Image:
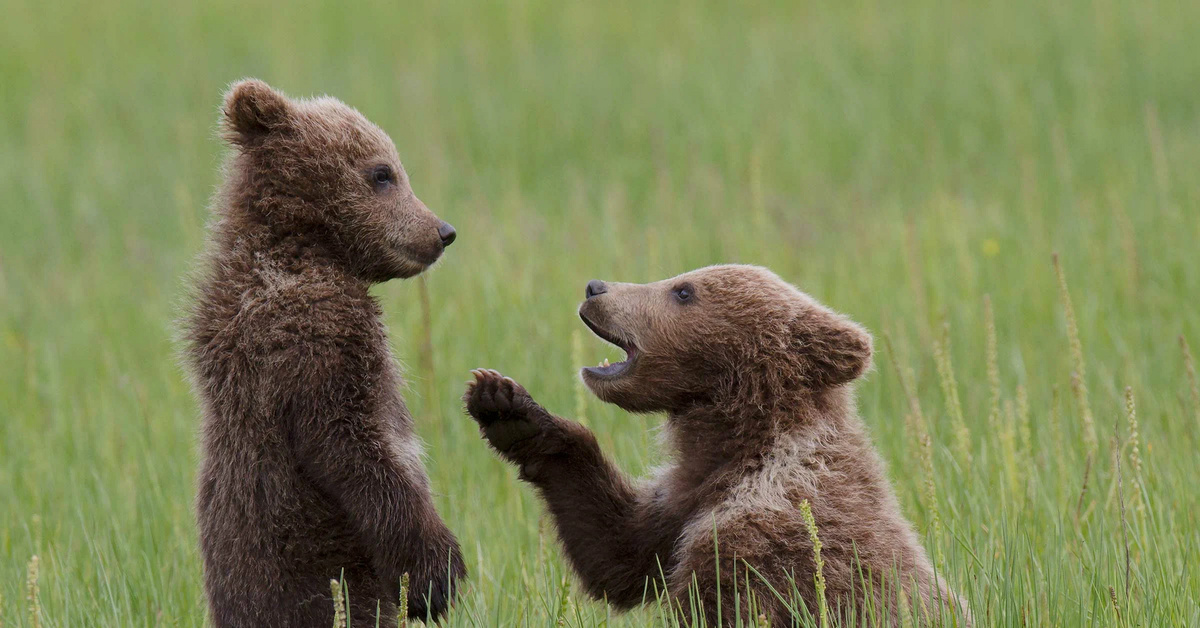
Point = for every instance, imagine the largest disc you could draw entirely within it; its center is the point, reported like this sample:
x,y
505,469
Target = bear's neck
x,y
714,444
244,244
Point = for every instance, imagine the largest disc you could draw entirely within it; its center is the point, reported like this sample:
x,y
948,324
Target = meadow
x,y
917,165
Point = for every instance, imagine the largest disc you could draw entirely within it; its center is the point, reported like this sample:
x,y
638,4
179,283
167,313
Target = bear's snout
x,y
447,233
595,288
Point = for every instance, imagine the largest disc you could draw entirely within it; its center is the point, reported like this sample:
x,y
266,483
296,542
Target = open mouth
x,y
615,369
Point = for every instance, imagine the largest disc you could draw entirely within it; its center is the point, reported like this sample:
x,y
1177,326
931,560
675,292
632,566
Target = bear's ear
x,y
252,110
834,349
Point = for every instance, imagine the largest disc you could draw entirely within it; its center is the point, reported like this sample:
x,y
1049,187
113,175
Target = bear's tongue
x,y
608,369
611,368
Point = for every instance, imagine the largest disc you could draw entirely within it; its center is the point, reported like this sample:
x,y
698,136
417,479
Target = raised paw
x,y
504,410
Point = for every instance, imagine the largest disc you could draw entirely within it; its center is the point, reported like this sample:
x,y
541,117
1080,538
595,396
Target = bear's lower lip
x,y
616,368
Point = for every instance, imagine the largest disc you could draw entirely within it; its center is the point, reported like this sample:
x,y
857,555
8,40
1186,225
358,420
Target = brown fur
x,y
755,377
310,470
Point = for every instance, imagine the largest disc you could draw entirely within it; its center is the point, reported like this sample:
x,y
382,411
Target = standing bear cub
x,y
311,471
754,376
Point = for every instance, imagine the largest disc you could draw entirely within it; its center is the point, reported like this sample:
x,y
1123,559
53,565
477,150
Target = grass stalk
x,y
339,603
935,521
564,601
1135,452
1055,421
33,592
1193,382
425,353
1116,448
402,612
1008,448
945,368
577,360
1079,376
993,366
918,433
914,419
1087,472
1024,424
819,579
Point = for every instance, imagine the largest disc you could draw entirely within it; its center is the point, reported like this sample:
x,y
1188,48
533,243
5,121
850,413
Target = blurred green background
x,y
899,161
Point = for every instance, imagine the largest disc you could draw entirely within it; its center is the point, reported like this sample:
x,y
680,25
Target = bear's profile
x,y
754,376
310,468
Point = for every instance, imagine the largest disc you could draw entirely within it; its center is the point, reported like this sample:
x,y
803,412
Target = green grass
x,y
899,161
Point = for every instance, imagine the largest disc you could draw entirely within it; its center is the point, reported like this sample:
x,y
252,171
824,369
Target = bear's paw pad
x,y
500,406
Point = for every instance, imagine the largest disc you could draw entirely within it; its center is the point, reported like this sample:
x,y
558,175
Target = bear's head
x,y
319,169
723,334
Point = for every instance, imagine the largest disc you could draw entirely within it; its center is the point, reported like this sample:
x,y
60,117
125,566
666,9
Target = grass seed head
x,y
32,593
993,366
1135,450
945,367
1079,376
339,604
819,580
403,611
564,597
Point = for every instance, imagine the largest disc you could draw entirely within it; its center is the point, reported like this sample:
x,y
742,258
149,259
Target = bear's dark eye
x,y
683,293
382,175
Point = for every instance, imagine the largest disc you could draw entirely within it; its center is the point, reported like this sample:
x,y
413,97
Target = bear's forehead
x,y
333,124
743,283
736,277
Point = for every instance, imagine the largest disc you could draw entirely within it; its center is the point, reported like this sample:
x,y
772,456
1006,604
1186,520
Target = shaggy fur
x,y
754,376
310,470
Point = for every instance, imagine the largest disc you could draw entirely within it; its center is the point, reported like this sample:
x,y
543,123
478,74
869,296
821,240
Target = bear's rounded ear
x,y
835,350
252,110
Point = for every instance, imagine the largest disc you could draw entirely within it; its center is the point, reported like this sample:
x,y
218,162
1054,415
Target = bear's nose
x,y
595,287
447,234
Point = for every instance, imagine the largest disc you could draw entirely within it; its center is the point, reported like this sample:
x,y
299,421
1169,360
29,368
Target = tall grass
x,y
899,161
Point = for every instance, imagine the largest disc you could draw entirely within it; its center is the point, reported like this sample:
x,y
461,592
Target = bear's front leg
x,y
617,542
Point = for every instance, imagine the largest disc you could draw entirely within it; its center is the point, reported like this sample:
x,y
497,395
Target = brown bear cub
x,y
754,376
311,470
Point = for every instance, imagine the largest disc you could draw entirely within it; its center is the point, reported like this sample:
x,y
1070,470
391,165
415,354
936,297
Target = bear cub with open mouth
x,y
755,378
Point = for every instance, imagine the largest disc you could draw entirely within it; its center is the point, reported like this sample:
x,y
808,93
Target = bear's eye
x,y
683,293
382,175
